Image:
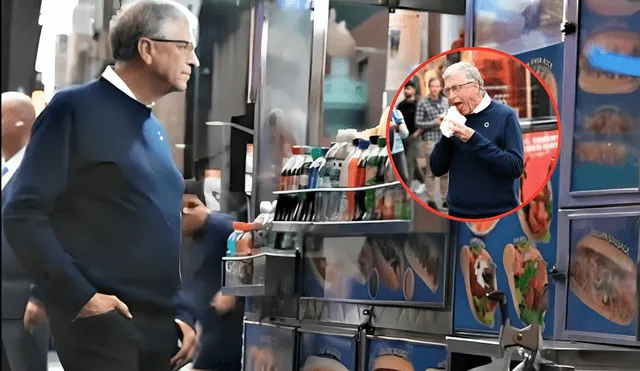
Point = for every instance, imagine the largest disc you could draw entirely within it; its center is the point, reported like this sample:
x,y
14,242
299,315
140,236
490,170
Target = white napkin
x,y
452,116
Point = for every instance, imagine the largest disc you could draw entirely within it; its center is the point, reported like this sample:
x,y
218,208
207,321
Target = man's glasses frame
x,y
455,88
189,47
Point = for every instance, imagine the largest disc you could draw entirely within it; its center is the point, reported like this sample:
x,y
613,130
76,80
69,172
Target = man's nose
x,y
193,59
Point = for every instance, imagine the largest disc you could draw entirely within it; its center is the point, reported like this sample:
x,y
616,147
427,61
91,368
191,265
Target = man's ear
x,y
144,50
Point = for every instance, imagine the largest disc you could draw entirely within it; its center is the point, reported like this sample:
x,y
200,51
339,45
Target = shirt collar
x,y
110,75
484,103
12,166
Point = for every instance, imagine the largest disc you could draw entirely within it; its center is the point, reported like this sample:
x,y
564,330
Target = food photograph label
x,y
327,352
512,255
405,356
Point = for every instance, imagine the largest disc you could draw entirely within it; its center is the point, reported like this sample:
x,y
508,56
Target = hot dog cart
x,y
394,294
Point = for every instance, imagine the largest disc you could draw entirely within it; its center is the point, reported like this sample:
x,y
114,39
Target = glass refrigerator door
x,y
599,296
601,127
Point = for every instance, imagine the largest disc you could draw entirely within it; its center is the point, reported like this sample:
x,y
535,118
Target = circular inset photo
x,y
373,283
409,284
483,140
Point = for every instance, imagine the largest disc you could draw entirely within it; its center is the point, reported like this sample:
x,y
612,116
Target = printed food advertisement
x,y
397,355
548,63
268,348
602,275
517,26
606,143
397,268
513,255
320,352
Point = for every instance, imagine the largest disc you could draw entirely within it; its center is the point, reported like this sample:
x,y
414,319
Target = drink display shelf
x,y
344,189
345,228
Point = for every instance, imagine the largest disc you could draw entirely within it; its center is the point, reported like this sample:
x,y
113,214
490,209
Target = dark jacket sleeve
x,y
440,158
508,161
208,247
40,180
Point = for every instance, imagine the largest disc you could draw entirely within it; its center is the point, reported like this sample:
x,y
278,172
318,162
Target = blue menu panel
x,y
398,268
512,255
327,352
602,275
400,355
606,142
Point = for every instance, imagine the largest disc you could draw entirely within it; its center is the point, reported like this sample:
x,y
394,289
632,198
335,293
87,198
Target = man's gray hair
x,y
469,70
145,18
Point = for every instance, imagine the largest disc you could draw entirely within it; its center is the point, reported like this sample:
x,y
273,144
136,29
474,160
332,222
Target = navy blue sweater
x,y
96,204
483,172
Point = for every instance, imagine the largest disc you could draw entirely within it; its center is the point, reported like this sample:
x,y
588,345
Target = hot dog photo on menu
x,y
535,217
603,277
527,276
479,273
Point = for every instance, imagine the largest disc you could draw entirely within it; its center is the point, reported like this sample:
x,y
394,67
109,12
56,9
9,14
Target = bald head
x,y
18,116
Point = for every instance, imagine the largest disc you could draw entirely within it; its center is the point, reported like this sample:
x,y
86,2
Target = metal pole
x,y
315,123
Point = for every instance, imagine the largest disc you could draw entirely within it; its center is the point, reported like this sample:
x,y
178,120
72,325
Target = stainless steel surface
x,y
562,263
315,123
328,330
345,229
550,349
271,273
332,312
419,320
440,6
412,338
469,23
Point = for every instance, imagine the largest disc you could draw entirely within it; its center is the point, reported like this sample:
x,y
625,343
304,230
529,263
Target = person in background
x,y
94,212
486,155
412,144
25,333
220,317
429,115
397,132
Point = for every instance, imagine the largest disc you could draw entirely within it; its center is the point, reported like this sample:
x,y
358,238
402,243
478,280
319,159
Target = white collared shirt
x,y
110,75
484,103
12,166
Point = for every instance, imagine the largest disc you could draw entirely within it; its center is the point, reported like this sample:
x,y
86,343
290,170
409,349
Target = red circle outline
x,y
546,88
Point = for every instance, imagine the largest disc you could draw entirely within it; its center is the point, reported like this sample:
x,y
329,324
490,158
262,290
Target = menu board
x,y
513,255
602,275
547,62
405,356
517,26
606,142
398,268
327,352
268,347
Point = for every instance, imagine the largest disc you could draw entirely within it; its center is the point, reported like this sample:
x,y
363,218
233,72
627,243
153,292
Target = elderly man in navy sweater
x,y
94,215
485,157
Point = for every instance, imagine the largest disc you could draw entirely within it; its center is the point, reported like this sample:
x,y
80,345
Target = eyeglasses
x,y
187,46
455,88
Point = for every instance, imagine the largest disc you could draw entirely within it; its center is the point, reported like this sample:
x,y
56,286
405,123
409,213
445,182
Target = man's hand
x,y
34,315
189,343
101,303
194,214
223,304
462,131
438,120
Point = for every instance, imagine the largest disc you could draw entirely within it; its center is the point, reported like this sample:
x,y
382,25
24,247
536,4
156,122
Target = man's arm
x,y
41,179
440,158
508,161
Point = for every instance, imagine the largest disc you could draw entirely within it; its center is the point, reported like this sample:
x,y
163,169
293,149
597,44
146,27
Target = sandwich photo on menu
x,y
390,362
323,362
527,276
603,277
479,273
388,263
535,217
595,81
483,228
614,7
425,259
